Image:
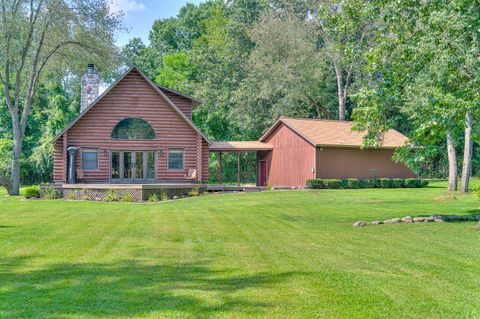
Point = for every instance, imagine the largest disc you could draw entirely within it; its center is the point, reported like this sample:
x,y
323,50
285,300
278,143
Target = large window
x,y
175,159
133,129
89,158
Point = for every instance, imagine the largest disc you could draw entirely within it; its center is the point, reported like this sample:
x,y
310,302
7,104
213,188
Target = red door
x,y
263,173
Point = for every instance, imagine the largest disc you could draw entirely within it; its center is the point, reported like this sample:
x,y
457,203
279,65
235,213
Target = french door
x,y
132,166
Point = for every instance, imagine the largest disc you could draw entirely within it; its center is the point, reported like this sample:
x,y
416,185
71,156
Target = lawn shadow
x,y
127,288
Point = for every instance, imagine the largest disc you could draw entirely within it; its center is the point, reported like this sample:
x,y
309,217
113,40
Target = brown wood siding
x,y
205,159
184,104
337,162
292,159
133,97
59,165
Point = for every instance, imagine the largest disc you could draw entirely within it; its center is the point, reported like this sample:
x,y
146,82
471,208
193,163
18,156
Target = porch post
x,y
238,168
220,173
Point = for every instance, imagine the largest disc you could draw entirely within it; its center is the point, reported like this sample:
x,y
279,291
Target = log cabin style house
x,y
138,132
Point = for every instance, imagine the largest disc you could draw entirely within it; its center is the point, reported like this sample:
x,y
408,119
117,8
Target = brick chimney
x,y
90,87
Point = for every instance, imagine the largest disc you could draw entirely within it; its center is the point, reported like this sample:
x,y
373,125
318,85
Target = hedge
x,y
352,183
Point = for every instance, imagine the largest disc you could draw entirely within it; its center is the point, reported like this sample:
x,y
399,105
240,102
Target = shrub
x,y
163,196
85,197
194,192
50,193
333,183
411,182
32,192
476,191
398,182
153,198
423,183
71,197
315,183
376,183
110,196
386,183
351,183
127,198
363,183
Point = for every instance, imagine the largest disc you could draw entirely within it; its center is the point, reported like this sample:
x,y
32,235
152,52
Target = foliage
x,y
352,183
32,192
51,193
37,36
163,196
110,196
194,192
153,198
127,198
399,183
476,191
72,197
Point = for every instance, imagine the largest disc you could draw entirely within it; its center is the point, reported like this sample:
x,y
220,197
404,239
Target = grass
x,y
285,254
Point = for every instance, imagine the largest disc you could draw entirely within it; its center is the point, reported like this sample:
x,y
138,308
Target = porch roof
x,y
237,146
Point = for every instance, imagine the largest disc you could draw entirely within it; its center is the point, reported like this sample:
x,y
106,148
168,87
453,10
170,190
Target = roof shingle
x,y
336,133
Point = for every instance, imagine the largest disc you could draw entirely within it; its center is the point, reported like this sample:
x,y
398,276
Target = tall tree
x,y
424,65
39,34
345,29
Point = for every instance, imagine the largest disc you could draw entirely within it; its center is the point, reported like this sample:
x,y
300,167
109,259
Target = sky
x,y
140,14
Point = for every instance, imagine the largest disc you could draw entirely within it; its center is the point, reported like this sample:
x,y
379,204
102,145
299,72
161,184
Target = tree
x,y
424,65
287,74
344,32
40,34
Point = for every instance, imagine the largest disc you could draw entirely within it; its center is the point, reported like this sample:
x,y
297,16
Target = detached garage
x,y
310,148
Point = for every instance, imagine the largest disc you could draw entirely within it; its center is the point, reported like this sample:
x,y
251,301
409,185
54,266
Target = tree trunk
x,y
452,162
467,152
341,96
14,189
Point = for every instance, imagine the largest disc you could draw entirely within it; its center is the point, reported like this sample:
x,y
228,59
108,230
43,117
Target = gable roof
x,y
334,133
153,85
194,100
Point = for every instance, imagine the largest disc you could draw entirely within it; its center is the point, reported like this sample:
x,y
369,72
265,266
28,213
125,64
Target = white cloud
x,y
126,6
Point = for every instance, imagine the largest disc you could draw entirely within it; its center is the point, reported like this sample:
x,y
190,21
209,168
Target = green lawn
x,y
285,254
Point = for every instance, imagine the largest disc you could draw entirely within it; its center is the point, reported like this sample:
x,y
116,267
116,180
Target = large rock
x,y
440,218
360,223
392,221
418,219
407,219
377,222
477,226
429,219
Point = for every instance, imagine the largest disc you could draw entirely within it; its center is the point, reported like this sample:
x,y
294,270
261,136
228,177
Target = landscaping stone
x,y
377,222
360,223
429,219
418,219
477,226
396,220
176,197
440,218
477,217
407,219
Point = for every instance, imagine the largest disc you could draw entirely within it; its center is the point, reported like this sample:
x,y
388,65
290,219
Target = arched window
x,y
133,129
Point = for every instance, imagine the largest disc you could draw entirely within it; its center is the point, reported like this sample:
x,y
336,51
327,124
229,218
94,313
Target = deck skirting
x,y
142,192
